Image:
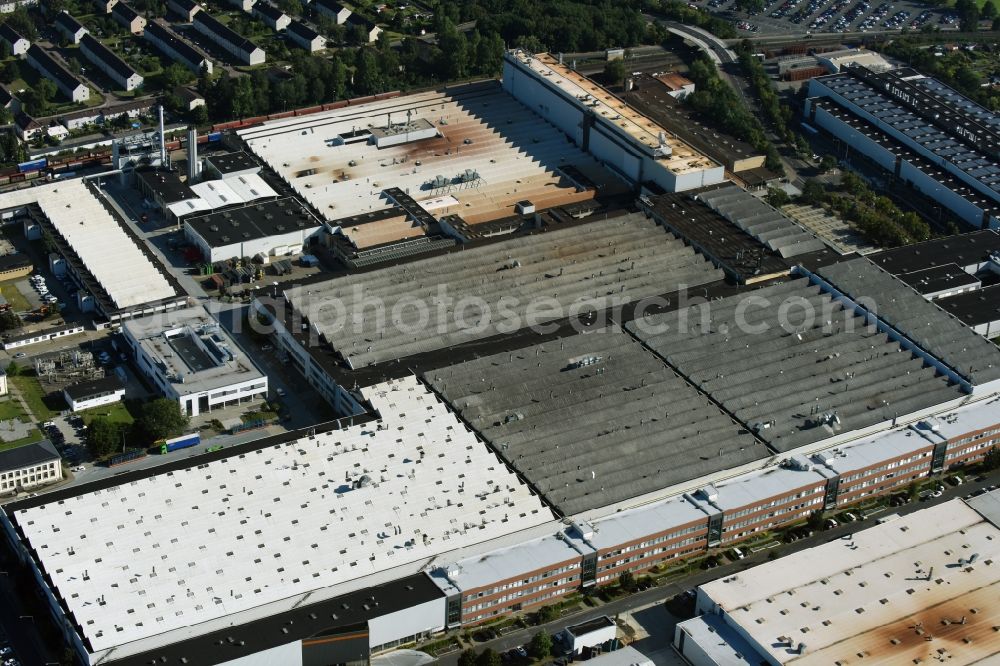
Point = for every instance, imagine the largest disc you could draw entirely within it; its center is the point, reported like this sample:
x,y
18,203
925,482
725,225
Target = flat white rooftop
x,y
289,521
330,159
112,256
903,592
192,350
230,191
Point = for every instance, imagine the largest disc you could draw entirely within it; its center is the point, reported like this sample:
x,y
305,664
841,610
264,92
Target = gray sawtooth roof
x,y
788,382
944,336
761,221
617,424
623,259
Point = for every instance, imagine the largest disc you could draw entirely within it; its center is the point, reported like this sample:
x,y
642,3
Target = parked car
x,y
831,523
955,480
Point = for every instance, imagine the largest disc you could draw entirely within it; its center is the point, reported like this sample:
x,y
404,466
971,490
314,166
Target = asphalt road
x,y
657,595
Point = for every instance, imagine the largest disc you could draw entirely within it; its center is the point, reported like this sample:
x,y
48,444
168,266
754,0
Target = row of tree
x,y
157,419
874,215
539,647
715,100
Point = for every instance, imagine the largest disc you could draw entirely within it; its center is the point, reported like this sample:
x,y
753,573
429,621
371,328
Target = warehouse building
x,y
30,466
332,573
176,48
618,136
189,358
231,165
241,48
47,66
70,28
128,17
268,229
972,252
119,277
110,64
927,135
979,310
480,154
928,594
94,393
17,44
620,260
305,37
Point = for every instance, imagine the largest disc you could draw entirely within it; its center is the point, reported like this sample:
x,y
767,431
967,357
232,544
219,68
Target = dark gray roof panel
x,y
593,419
972,356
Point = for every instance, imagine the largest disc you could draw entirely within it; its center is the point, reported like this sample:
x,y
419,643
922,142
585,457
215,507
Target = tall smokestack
x,y
194,164
163,143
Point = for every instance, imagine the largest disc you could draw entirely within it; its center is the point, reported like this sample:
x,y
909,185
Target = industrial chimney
x,y
163,143
193,161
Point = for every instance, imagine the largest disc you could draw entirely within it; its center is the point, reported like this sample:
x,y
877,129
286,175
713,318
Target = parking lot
x,y
832,16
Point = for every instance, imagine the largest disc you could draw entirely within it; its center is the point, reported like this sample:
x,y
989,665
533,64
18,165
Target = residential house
x,y
186,9
177,48
227,39
333,9
70,28
110,64
129,18
48,67
305,37
17,44
273,17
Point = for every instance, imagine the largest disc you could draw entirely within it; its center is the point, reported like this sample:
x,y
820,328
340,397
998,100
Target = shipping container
x,y
182,442
32,165
215,136
127,457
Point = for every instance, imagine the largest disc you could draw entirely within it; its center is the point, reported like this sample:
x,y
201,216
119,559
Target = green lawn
x,y
14,296
35,436
116,413
43,407
11,409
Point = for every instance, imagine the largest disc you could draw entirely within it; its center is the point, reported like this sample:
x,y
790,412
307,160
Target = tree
x,y
9,320
750,6
988,11
815,520
488,657
992,459
467,658
546,614
13,369
813,192
162,418
540,645
614,72
367,76
827,163
777,197
104,437
626,581
968,15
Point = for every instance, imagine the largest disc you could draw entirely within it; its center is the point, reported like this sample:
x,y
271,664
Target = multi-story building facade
x,y
29,466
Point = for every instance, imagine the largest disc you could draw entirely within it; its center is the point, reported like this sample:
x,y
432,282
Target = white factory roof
x,y
231,191
837,60
278,524
968,418
720,642
504,563
110,254
623,656
192,349
331,161
754,487
892,594
874,450
640,522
